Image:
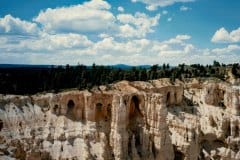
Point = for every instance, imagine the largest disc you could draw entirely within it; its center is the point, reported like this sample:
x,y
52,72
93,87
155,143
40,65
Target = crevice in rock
x,y
56,109
130,146
237,131
168,99
212,122
154,150
1,125
219,143
135,125
178,154
228,132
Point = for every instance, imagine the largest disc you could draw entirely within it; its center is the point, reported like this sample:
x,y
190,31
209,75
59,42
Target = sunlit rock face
x,y
127,120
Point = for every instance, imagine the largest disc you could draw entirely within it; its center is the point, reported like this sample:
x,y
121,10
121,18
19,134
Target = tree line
x,y
24,80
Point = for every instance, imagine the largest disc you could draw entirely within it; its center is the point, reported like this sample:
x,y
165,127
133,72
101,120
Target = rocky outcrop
x,y
127,120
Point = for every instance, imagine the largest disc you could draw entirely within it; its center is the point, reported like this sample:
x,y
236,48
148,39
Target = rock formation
x,y
198,119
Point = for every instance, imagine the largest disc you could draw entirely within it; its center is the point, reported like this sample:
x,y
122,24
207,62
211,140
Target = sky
x,y
133,32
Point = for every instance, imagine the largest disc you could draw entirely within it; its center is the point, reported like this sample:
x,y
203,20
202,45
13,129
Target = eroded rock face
x,y
127,120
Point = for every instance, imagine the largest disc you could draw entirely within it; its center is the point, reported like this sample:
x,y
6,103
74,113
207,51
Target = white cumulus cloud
x,y
223,36
226,50
64,35
90,16
94,17
73,48
137,25
12,25
56,42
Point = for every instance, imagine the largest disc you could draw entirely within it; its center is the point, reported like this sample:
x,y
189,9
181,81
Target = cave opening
x,y
134,108
70,107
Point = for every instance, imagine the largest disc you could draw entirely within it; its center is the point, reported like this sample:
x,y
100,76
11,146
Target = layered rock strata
x,y
127,120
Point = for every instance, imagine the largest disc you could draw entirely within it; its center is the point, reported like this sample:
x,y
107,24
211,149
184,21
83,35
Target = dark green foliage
x,y
216,64
235,70
33,80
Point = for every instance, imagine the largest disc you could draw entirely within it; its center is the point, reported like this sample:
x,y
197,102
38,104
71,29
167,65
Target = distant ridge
x,y
124,66
117,66
24,66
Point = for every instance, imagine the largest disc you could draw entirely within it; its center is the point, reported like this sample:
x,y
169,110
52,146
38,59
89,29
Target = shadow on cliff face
x,y
103,118
177,102
135,127
70,107
70,110
39,156
208,146
187,106
178,155
1,124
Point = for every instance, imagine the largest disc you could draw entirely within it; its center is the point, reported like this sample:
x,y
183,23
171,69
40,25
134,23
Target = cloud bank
x,y
90,32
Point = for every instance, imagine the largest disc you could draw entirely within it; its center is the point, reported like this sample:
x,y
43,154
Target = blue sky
x,y
111,32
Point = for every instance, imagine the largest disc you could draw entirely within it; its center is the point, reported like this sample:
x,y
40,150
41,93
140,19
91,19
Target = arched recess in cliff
x,y
103,112
99,112
135,126
70,109
168,98
134,110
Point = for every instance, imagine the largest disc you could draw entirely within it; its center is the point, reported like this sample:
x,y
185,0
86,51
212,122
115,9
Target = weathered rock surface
x,y
127,120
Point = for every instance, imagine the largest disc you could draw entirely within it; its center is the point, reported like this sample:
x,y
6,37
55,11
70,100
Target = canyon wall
x,y
126,120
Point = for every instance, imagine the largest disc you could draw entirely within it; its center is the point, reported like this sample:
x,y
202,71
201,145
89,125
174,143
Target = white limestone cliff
x,y
127,120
